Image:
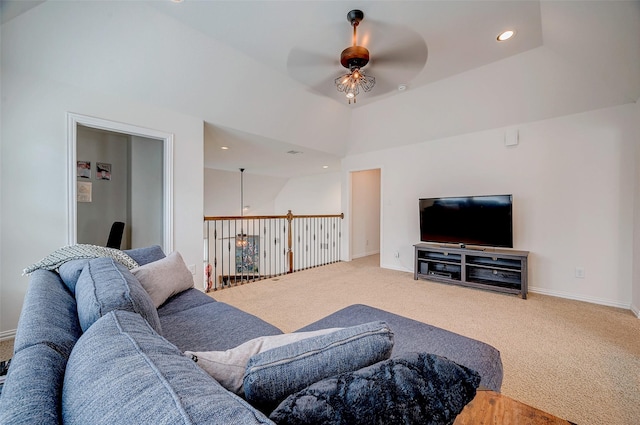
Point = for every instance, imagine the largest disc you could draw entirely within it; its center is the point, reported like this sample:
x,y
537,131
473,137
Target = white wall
x,y
635,287
365,213
140,74
572,180
313,194
222,193
34,207
146,218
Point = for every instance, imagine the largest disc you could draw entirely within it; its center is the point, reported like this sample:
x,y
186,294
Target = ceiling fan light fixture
x,y
352,82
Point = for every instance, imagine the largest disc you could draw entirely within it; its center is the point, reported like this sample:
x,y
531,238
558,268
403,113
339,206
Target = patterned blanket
x,y
79,252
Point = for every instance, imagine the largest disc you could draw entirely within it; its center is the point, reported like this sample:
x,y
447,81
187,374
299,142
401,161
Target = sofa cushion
x,y
105,285
47,332
274,374
32,390
70,270
122,372
44,322
414,336
213,326
228,367
415,389
164,278
145,255
185,300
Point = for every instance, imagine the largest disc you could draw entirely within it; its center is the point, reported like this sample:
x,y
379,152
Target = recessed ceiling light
x,y
325,166
224,148
294,152
402,87
505,35
177,1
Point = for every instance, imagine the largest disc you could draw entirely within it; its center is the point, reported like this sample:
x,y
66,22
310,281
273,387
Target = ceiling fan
x,y
398,54
354,58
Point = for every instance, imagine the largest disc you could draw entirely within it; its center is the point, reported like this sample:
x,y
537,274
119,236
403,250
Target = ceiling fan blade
x,y
413,54
326,86
299,58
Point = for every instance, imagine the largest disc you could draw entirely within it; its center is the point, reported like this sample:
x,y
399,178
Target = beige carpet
x,y
576,360
6,349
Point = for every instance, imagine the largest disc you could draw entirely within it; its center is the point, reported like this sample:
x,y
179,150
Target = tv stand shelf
x,y
503,270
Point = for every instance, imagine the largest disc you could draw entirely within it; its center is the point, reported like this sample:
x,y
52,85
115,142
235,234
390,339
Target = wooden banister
x,y
318,243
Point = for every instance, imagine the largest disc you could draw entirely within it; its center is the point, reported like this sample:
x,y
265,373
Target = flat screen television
x,y
467,220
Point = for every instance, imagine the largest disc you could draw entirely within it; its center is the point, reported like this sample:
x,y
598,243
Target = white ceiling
x,y
459,36
594,46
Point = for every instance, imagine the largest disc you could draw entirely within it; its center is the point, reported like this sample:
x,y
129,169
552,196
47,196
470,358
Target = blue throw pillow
x,y
418,388
105,285
122,372
70,272
274,374
146,255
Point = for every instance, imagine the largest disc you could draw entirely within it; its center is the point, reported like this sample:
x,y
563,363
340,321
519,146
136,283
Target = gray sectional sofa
x,y
91,348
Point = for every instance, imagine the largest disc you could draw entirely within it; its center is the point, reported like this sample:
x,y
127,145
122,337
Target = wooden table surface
x,y
492,408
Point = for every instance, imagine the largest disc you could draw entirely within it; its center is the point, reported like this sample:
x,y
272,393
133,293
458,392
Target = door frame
x,y
73,120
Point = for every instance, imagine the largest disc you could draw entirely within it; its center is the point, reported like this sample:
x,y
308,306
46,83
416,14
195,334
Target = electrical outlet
x,y
580,272
396,254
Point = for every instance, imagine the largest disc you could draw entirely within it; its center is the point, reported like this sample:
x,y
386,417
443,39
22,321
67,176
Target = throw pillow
x,y
146,255
274,374
105,285
228,367
418,388
164,278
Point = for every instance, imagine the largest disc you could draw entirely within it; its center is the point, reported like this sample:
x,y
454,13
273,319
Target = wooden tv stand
x,y
503,270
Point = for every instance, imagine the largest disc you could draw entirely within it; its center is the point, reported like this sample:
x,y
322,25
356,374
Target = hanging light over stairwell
x,y
241,238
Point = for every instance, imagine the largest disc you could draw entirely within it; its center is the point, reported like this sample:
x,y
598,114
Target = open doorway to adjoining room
x,y
119,173
365,213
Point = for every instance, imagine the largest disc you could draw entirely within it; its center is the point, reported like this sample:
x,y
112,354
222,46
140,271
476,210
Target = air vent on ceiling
x,y
292,152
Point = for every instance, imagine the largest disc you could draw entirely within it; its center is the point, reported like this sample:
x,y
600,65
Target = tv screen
x,y
472,220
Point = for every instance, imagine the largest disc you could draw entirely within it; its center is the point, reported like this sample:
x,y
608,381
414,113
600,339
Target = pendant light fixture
x,y
241,238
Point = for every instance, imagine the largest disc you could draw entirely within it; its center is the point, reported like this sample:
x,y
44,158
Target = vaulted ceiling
x,y
226,61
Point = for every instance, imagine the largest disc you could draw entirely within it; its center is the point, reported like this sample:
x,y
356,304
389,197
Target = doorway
x,y
119,172
365,213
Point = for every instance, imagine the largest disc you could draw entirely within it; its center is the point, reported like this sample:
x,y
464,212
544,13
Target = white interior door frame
x,y
73,120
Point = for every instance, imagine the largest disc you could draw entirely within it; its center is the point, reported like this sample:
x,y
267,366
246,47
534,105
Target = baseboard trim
x,y
569,296
10,334
593,300
366,254
397,268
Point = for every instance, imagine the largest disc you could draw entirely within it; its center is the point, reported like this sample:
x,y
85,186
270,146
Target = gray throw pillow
x,y
274,374
105,285
417,388
164,278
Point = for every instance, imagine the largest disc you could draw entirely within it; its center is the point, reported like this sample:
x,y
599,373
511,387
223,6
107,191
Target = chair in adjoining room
x,y
115,235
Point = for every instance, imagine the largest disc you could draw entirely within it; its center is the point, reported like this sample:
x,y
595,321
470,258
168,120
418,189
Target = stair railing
x,y
240,249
